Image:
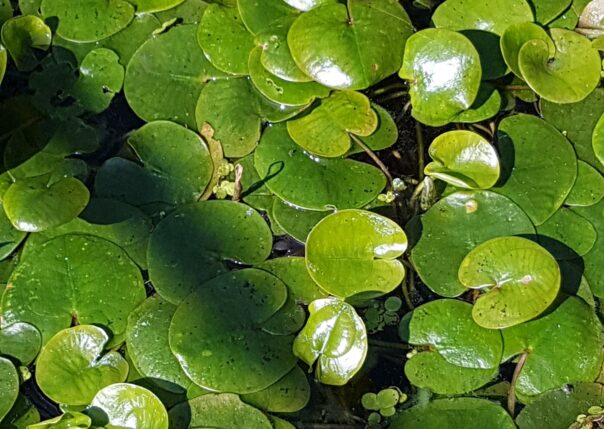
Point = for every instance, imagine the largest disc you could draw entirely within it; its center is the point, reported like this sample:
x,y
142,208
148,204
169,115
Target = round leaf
x,y
22,36
594,269
443,69
566,235
75,17
154,5
355,252
385,135
73,278
547,10
72,368
223,348
9,379
326,130
464,159
520,279
10,238
205,234
566,77
295,221
128,406
264,16
310,182
516,36
454,226
288,395
588,188
339,47
20,341
335,339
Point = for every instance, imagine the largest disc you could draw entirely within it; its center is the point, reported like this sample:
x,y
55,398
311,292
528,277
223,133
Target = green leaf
x,y
594,269
165,77
75,17
487,45
306,5
588,188
295,221
558,409
494,16
464,159
385,135
125,405
335,339
355,252
455,413
547,10
64,421
457,224
516,36
223,348
337,44
23,36
10,238
219,411
176,167
539,184
557,355
154,5
310,182
205,234
598,140
279,90
20,341
566,235
148,347
190,12
447,326
10,386
520,280
326,131
224,39
3,61
444,73
23,414
72,367
487,104
263,16
73,277
288,395
35,204
569,75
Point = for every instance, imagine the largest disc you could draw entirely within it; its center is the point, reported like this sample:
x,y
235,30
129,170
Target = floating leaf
x,y
67,420
295,221
363,258
22,36
9,379
75,17
128,406
539,184
443,69
73,277
190,11
223,348
3,61
337,44
566,235
310,182
10,238
165,77
204,234
385,135
464,159
487,45
264,16
335,339
598,140
35,204
327,130
487,104
288,395
455,413
547,10
20,341
494,16
516,36
588,188
568,76
594,269
454,226
154,5
220,411
72,368
556,354
224,39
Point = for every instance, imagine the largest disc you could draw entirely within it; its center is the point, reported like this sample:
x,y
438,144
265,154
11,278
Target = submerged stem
x,y
373,156
512,391
419,136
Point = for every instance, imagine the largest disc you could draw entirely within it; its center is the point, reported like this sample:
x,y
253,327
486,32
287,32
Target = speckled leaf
x,y
295,221
566,235
588,188
288,395
385,135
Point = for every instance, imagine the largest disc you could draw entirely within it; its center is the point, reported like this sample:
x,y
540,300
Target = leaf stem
x,y
515,88
384,89
392,96
512,391
419,137
373,156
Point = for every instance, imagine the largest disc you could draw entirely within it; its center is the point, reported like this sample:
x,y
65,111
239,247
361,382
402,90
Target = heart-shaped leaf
x,y
310,182
73,278
538,184
75,17
516,36
337,44
454,226
363,258
464,159
35,204
443,69
204,234
385,135
20,341
566,77
494,16
10,386
335,339
22,36
519,277
588,188
219,411
327,130
72,367
556,353
128,406
223,348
